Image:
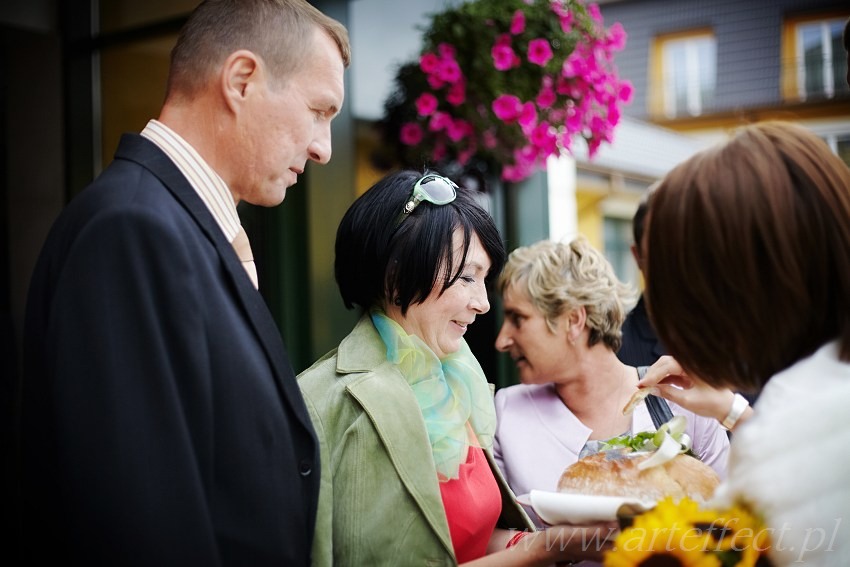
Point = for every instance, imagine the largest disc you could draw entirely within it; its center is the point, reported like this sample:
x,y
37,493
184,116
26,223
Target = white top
x,y
791,462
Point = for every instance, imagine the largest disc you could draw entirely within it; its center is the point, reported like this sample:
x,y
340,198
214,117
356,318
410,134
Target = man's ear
x,y
239,74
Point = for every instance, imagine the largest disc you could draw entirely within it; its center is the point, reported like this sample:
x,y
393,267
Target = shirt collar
x,y
209,186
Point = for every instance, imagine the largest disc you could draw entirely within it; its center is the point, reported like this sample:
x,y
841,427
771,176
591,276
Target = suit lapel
x,y
147,154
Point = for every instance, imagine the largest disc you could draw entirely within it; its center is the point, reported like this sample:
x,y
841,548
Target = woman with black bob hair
x,y
376,252
403,412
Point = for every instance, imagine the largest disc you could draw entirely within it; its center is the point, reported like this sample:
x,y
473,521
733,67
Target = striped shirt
x,y
209,186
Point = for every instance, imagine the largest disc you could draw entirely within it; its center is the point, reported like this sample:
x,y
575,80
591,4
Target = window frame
x,y
793,73
664,104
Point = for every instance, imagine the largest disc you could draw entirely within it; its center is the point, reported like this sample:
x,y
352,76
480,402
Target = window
x,y
618,242
840,144
685,73
815,62
842,148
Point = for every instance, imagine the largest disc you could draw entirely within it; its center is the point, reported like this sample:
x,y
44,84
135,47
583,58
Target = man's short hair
x,y
278,31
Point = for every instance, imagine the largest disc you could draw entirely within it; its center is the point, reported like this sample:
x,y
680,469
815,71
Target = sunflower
x,y
742,538
683,534
664,536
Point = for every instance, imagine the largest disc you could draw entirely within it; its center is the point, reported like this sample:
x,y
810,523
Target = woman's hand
x,y
563,544
690,392
570,543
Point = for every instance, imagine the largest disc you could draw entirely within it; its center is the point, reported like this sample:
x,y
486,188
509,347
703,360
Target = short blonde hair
x,y
559,277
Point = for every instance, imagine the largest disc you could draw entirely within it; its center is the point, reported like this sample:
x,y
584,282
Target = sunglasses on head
x,y
433,188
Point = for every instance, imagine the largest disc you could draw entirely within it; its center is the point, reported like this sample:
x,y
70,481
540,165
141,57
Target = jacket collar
x,y
385,396
362,350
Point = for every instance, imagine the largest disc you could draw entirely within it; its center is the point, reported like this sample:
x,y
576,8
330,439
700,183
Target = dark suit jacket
x,y
161,420
640,345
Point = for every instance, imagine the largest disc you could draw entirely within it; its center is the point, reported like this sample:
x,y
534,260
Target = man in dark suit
x,y
640,345
161,422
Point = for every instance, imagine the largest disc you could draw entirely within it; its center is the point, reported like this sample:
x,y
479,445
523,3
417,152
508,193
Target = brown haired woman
x,y
748,285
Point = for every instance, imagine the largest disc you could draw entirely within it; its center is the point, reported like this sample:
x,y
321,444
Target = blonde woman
x,y
564,308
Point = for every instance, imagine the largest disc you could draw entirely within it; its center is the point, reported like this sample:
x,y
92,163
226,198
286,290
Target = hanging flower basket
x,y
501,85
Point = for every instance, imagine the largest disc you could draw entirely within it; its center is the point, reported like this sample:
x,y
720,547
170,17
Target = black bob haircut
x,y
379,260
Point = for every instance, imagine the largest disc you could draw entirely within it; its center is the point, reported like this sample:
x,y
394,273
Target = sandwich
x,y
648,466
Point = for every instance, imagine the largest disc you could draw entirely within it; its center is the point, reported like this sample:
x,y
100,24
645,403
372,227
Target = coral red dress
x,y
473,504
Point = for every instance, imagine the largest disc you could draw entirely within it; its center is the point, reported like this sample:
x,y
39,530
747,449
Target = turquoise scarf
x,y
450,392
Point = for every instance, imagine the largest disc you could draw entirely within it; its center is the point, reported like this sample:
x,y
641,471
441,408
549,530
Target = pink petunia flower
x,y
449,71
625,91
435,82
566,140
507,108
573,66
457,130
593,147
503,39
457,93
616,37
546,97
411,134
574,120
439,121
428,63
597,125
527,117
518,23
512,173
426,104
504,57
543,137
539,51
559,9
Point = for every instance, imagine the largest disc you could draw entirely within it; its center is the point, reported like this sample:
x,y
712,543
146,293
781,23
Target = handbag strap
x,y
658,408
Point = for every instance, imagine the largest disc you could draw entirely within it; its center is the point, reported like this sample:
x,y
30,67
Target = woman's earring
x,y
397,301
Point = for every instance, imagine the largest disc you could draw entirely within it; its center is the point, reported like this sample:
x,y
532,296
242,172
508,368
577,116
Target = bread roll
x,y
616,473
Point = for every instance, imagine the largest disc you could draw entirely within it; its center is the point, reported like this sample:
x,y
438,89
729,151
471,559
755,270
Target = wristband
x,y
739,405
515,540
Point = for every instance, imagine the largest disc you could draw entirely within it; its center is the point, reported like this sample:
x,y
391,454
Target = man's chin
x,y
268,199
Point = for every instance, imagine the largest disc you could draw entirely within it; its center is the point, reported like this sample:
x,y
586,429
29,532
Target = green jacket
x,y
379,499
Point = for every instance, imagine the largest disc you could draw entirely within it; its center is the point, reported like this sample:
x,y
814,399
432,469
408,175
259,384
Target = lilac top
x,y
537,436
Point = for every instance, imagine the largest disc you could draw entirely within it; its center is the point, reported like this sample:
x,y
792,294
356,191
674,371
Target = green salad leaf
x,y
651,440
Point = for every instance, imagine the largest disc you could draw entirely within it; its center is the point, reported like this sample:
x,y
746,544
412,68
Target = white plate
x,y
557,508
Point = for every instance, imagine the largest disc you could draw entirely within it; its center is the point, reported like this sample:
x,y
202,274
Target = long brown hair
x,y
748,255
